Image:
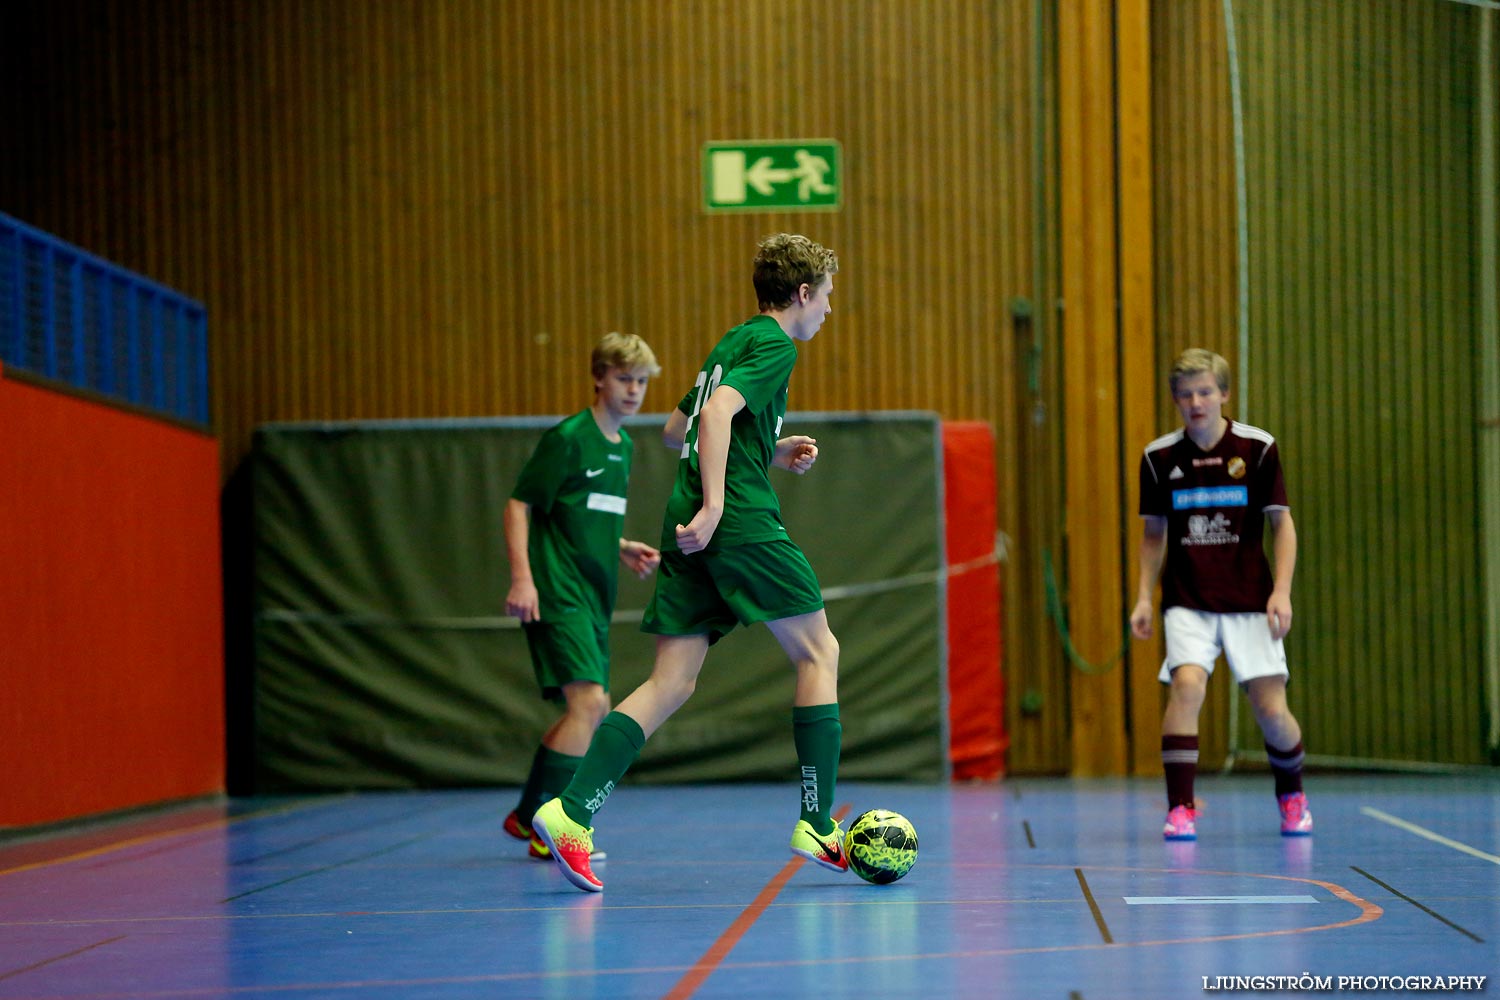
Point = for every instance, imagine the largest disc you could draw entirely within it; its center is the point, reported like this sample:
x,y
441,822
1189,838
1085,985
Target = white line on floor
x,y
1436,838
1180,900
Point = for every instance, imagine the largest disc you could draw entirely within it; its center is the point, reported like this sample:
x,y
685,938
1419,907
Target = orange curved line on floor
x,y
695,975
712,960
1368,911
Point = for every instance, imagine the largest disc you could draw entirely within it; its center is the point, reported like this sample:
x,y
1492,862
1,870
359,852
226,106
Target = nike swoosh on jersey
x,y
591,473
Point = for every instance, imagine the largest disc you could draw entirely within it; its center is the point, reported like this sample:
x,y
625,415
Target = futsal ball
x,y
881,846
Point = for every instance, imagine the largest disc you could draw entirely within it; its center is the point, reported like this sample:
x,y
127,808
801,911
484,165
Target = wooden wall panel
x,y
1359,140
420,209
1193,183
1038,673
415,209
1193,186
1139,365
1487,362
434,209
1088,180
1363,198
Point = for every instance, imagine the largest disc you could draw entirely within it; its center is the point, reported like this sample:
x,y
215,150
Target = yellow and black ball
x,y
881,846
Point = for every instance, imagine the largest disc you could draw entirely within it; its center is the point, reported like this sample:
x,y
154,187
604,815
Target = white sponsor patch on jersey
x,y
607,503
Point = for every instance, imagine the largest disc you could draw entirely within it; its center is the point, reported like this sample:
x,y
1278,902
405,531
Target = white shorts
x,y
1197,637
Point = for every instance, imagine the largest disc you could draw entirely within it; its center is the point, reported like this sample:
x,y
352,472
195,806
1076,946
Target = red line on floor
x,y
705,966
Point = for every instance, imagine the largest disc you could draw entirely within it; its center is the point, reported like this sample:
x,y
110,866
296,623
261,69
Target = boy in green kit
x,y
727,560
562,532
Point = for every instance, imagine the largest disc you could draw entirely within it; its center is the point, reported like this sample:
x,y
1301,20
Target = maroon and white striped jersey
x,y
1215,504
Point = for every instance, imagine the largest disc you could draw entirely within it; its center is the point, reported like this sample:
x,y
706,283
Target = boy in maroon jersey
x,y
1207,491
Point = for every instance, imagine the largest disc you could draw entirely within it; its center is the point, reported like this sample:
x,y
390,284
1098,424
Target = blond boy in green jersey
x,y
727,560
562,531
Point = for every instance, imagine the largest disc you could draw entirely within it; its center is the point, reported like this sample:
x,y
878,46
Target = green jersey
x,y
575,482
756,358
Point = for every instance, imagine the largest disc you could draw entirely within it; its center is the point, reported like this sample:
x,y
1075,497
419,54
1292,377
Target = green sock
x,y
818,734
549,775
557,770
532,796
615,746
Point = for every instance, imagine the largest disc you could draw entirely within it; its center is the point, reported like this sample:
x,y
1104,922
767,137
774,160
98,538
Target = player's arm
x,y
1284,553
714,422
1153,554
638,557
796,453
675,433
522,601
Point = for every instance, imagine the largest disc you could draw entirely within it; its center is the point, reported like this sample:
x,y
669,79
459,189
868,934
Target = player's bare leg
x,y
1283,735
1179,749
814,652
587,705
1267,696
1185,700
679,660
562,824
563,746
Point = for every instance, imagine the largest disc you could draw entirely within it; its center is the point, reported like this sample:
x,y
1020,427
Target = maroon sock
x,y
1179,758
1286,765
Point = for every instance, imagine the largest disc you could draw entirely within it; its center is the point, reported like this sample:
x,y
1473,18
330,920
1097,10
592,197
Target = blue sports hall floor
x,y
1026,888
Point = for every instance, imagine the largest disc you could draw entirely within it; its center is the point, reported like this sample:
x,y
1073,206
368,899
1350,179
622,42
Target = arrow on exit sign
x,y
775,175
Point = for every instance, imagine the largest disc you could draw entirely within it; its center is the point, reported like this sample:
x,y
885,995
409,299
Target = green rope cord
x,y
1060,619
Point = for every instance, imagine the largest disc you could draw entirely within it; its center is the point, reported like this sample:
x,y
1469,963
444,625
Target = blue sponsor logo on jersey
x,y
1211,496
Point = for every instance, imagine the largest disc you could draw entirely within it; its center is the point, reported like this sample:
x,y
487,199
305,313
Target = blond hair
x,y
1195,361
623,350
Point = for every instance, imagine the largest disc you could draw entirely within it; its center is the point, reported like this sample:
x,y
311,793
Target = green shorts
x,y
712,592
575,648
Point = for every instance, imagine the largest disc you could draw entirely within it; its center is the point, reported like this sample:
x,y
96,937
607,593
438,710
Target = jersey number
x,y
706,384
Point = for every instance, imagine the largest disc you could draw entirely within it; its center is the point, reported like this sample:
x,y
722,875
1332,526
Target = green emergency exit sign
x,y
774,175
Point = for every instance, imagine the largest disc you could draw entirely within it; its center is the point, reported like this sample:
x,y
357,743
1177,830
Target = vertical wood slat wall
x,y
417,209
1037,674
1194,239
1139,365
432,209
1088,182
436,208
1359,155
1487,217
1364,326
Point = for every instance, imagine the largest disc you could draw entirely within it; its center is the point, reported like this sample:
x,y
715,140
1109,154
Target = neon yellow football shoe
x,y
569,843
826,851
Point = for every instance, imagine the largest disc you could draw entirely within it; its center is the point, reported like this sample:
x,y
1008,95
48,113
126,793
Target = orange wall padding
x,y
976,705
111,609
